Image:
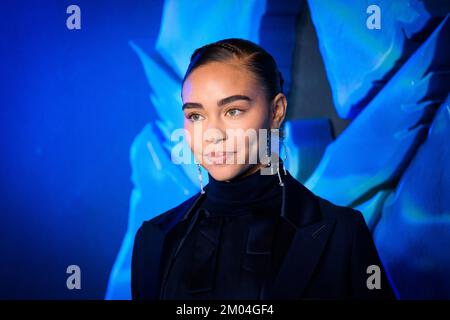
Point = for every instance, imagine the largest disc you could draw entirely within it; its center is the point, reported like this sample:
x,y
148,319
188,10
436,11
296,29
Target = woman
x,y
254,232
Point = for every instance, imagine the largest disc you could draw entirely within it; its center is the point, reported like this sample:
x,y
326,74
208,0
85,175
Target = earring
x,y
200,178
279,177
269,149
285,155
283,164
278,163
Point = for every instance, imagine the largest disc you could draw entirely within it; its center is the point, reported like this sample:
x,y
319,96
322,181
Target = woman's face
x,y
221,102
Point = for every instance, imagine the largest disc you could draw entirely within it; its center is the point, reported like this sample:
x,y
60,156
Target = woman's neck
x,y
252,170
252,187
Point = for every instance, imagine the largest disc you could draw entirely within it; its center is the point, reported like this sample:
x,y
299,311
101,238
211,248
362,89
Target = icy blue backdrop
x,y
84,111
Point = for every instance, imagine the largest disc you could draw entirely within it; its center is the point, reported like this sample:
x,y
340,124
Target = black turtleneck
x,y
256,192
232,244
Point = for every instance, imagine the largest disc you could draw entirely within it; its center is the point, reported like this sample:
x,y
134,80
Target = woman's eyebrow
x,y
220,103
230,99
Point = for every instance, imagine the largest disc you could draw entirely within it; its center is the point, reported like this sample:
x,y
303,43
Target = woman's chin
x,y
225,172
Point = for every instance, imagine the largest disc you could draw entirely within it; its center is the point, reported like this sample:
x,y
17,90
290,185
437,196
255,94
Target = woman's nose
x,y
214,134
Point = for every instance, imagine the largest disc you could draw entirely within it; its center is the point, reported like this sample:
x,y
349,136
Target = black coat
x,y
327,259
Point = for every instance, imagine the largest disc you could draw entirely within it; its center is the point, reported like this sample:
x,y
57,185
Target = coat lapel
x,y
162,226
301,210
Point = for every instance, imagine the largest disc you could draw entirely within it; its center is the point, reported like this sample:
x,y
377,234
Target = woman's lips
x,y
218,157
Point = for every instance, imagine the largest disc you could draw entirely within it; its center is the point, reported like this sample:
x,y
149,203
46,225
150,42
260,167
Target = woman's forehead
x,y
218,80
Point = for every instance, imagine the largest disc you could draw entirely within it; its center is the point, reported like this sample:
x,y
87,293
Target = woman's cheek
x,y
197,142
189,134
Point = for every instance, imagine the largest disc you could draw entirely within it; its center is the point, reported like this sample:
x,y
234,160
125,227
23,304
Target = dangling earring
x,y
284,161
278,163
200,178
279,177
269,149
285,156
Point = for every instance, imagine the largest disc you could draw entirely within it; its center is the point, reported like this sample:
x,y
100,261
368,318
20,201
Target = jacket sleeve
x,y
136,266
369,279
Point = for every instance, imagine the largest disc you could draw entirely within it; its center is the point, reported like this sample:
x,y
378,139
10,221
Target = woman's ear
x,y
278,110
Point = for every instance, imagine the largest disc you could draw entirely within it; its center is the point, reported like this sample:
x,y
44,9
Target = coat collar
x,y
301,210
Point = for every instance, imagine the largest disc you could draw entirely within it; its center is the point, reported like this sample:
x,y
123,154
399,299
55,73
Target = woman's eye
x,y
234,112
194,117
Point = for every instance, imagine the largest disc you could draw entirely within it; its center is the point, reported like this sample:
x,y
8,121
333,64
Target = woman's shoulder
x,y
343,215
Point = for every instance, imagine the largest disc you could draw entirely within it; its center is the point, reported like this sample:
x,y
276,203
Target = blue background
x,y
83,110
